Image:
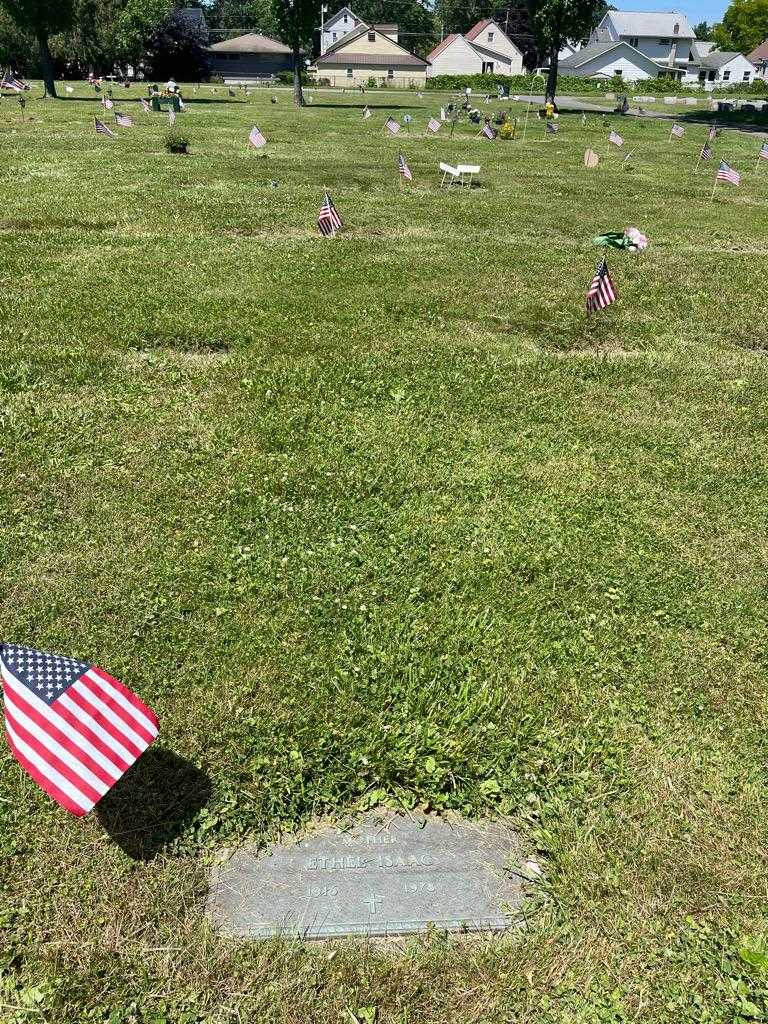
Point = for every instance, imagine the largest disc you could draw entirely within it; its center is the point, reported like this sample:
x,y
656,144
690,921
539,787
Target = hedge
x,y
570,85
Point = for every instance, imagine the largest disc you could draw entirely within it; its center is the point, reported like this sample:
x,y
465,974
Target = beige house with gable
x,y
370,52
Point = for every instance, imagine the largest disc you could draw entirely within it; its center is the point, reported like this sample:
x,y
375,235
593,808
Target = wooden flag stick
x,y
698,162
711,198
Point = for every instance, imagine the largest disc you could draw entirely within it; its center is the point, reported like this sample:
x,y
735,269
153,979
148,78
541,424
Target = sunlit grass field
x,y
386,518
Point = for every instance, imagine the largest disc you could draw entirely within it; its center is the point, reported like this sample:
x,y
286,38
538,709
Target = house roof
x,y
475,31
250,43
588,53
700,48
759,53
386,28
349,59
340,13
442,45
719,58
652,23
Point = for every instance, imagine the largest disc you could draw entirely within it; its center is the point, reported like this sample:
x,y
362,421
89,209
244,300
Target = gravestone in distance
x,y
387,876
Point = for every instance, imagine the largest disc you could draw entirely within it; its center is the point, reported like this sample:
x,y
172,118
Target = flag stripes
x,y
329,221
601,291
75,744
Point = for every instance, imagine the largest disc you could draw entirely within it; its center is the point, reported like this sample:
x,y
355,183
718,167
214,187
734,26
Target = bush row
x,y
570,85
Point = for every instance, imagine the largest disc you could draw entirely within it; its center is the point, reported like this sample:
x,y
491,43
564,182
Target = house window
x,y
487,67
345,19
726,75
349,72
702,75
676,29
390,72
334,37
617,73
746,76
711,76
371,37
663,42
634,41
490,37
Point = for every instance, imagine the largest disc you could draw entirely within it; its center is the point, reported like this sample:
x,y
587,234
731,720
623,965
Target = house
x,y
665,37
484,49
340,24
721,67
249,57
759,57
610,59
368,53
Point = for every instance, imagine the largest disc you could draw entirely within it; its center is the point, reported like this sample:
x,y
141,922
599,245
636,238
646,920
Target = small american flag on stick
x,y
107,103
366,113
763,154
171,116
145,105
103,129
706,152
124,120
433,125
552,128
256,139
726,173
712,134
329,221
615,139
488,132
677,131
392,126
11,82
403,168
601,291
74,728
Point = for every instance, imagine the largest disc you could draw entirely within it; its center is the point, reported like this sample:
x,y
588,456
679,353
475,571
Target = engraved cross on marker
x,y
372,902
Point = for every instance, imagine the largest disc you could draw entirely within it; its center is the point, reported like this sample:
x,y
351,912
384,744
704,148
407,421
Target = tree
x,y
555,22
17,48
703,31
42,18
94,41
744,26
296,22
249,15
461,15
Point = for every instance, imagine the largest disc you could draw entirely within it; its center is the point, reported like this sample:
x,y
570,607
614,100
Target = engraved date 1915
x,y
320,892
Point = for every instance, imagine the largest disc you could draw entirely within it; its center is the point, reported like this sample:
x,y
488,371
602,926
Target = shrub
x,y
176,142
507,130
286,78
371,83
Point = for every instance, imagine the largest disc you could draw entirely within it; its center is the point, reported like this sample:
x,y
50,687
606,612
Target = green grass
x,y
382,519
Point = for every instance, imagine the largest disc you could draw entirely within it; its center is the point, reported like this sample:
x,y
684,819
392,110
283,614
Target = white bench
x,y
450,174
467,172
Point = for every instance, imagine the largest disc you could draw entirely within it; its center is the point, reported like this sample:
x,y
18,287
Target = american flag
x,y
10,81
171,116
74,728
256,139
677,131
366,113
443,116
107,103
124,120
181,104
712,134
706,152
616,139
488,132
329,221
392,126
102,129
403,167
601,292
433,125
763,154
726,173
583,118
145,106
552,128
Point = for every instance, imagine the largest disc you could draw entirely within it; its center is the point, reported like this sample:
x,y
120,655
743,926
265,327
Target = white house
x,y
484,50
725,68
337,26
666,37
612,59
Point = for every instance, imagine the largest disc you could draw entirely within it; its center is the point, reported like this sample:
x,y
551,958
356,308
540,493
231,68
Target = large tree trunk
x,y
298,94
552,75
46,63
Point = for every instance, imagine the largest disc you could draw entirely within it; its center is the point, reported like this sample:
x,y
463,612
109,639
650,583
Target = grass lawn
x,y
386,518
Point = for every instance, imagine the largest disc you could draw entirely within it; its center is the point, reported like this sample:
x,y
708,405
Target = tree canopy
x,y
554,22
744,26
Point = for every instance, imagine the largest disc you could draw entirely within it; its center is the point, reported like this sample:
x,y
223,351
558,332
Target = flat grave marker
x,y
386,876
